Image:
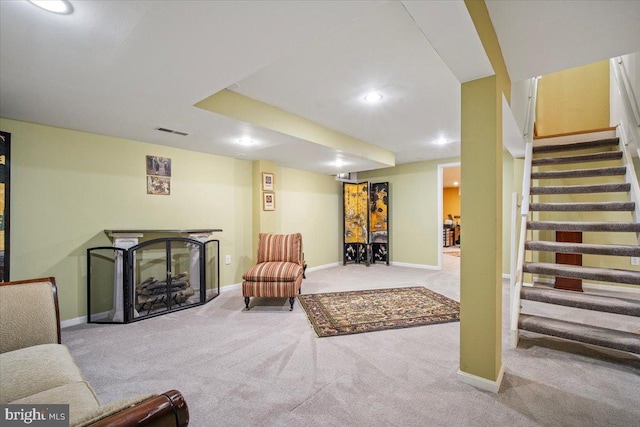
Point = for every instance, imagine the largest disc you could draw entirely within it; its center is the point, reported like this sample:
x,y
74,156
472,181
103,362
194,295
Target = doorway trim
x,y
440,224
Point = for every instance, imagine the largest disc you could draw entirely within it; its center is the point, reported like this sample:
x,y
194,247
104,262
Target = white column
x,y
122,241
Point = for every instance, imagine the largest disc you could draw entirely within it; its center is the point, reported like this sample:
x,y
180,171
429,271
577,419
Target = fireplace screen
x,y
151,278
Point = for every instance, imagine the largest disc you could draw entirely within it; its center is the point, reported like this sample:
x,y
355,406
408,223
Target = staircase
x,y
591,168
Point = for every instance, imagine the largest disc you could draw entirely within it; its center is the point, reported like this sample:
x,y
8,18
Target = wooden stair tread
x,y
574,146
580,173
581,189
597,157
579,272
627,307
583,206
632,227
584,248
603,337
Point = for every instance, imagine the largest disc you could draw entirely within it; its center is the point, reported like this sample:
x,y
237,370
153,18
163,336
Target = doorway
x,y
449,217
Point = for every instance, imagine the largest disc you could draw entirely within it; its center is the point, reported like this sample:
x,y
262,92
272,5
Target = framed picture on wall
x,y
159,185
267,181
159,166
268,201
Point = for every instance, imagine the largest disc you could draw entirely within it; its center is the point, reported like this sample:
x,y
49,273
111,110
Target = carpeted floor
x,y
354,312
266,367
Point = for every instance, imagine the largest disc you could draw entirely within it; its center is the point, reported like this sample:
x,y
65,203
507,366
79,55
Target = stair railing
x,y
629,126
628,131
631,177
524,212
624,85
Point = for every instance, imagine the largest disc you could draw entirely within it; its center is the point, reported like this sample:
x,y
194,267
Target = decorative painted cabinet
x,y
366,225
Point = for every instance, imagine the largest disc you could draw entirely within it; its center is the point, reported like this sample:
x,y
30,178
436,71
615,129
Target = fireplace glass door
x,y
152,278
165,275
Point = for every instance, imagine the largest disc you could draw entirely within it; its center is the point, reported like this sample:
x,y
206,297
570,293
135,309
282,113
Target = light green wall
x,y
310,203
413,210
263,221
69,186
306,203
482,210
573,100
482,199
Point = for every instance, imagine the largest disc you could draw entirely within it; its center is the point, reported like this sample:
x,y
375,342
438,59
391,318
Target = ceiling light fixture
x,y
62,7
339,163
441,141
373,97
246,141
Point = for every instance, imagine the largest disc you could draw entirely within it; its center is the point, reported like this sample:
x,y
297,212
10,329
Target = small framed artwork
x,y
159,185
267,181
159,166
268,201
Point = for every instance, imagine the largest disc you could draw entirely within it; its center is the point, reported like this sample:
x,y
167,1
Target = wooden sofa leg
x,y
246,302
291,300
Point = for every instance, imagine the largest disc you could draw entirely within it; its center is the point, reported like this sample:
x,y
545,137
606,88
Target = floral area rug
x,y
343,313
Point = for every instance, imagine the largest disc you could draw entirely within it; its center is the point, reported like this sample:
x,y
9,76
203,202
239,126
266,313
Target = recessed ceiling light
x,y
373,97
339,163
246,141
441,141
62,7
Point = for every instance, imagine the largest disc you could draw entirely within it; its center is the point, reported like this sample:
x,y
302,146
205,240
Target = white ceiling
x,y
383,51
540,36
125,68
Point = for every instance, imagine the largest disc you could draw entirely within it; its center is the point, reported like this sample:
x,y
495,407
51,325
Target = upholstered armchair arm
x,y
29,314
163,410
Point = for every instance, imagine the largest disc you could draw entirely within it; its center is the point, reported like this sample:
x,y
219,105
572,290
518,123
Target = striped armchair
x,y
279,271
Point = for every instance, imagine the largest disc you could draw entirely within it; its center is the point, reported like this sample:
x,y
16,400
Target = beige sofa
x,y
35,368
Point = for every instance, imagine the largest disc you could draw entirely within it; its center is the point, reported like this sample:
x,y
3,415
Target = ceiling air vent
x,y
177,132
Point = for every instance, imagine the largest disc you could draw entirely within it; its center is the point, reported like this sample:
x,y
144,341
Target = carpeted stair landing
x,y
550,156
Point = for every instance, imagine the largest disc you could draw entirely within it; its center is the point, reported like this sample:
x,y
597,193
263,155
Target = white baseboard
x,y
322,267
423,266
232,287
72,322
482,383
